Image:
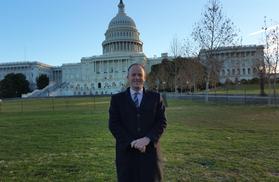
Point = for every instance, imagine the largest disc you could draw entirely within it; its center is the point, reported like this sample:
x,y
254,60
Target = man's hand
x,y
140,143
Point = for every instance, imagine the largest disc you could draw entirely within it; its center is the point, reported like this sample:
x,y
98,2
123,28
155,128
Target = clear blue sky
x,y
63,31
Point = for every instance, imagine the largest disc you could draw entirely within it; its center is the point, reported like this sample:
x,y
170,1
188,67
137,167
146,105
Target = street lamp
x,y
164,84
0,105
187,86
157,84
164,96
261,74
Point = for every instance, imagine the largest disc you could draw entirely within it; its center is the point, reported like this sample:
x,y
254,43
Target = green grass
x,y
71,142
253,89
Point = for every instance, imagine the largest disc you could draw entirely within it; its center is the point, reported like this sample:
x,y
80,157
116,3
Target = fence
x,y
228,98
101,104
55,104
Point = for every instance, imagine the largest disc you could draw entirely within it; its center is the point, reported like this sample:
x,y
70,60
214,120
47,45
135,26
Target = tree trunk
x,y
206,89
269,91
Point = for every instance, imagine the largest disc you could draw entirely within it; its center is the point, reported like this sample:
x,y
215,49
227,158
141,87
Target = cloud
x,y
261,31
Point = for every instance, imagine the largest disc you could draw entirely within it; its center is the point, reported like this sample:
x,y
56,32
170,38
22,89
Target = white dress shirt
x,y
139,95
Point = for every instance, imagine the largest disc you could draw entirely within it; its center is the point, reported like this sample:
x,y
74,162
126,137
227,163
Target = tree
x,y
161,76
14,85
190,73
42,81
189,48
175,47
213,31
176,50
271,56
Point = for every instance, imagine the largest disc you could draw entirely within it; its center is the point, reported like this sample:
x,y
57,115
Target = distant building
x,y
237,62
31,70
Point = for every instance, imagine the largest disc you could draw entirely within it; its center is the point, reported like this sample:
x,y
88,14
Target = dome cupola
x,y
122,34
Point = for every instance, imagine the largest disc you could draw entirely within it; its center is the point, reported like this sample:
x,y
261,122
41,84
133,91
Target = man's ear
x,y
145,76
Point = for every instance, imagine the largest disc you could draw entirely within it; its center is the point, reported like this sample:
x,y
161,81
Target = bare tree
x,y
190,73
213,31
276,57
189,48
176,51
175,47
271,56
161,76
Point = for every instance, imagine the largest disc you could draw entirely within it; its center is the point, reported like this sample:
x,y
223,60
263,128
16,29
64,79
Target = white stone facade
x,y
31,70
98,75
239,62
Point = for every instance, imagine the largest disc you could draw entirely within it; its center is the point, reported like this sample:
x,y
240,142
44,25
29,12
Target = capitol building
x,y
106,73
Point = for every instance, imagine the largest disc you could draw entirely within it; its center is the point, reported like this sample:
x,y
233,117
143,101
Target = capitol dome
x,y
120,20
122,34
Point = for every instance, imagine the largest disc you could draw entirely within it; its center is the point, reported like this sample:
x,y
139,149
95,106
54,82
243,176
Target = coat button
x,y
138,129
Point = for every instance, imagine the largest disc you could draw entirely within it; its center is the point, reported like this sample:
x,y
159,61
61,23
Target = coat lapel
x,y
129,98
144,98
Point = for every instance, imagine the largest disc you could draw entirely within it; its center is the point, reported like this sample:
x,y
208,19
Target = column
x,y
127,64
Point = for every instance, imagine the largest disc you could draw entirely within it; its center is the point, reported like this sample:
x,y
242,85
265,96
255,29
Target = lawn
x,y
68,140
243,89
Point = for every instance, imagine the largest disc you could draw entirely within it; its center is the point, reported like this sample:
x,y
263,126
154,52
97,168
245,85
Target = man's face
x,y
136,77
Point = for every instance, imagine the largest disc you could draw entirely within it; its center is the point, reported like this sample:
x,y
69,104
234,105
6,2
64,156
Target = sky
x,y
63,31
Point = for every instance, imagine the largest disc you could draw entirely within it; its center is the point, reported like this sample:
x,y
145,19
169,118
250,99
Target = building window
x,y
99,85
228,72
249,71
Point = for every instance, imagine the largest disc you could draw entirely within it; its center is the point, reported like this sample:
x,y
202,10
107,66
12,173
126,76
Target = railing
x,y
44,92
228,98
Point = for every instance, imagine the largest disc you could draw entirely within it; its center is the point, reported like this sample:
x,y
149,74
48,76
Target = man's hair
x,y
136,64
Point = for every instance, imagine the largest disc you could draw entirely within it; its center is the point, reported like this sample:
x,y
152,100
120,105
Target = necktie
x,y
136,100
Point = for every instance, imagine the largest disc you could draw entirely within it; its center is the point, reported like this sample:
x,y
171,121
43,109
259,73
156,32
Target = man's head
x,y
136,76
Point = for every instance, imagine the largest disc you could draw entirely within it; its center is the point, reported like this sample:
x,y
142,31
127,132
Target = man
x,y
137,120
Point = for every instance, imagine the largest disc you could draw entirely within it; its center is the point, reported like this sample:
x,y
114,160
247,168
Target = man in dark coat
x,y
137,120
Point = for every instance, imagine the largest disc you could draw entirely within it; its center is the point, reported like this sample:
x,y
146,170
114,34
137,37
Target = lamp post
x,y
164,84
261,74
157,84
164,96
187,86
0,105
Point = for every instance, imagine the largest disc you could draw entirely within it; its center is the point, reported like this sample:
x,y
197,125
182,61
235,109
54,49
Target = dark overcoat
x,y
128,123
